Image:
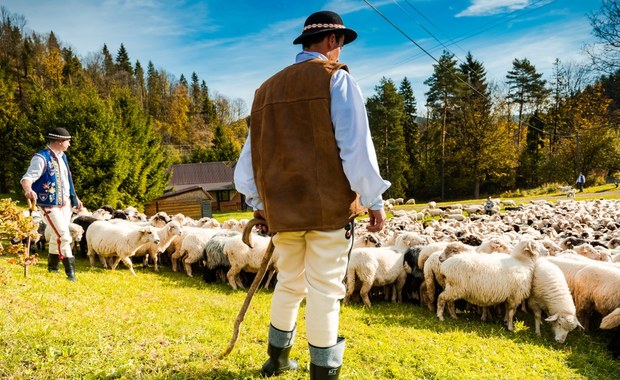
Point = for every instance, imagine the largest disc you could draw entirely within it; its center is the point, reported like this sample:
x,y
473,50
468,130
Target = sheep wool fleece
x,y
311,264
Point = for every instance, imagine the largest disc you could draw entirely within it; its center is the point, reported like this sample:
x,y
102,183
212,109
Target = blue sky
x,y
235,45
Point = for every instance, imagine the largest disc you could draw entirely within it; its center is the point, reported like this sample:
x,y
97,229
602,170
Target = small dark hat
x,y
322,22
58,134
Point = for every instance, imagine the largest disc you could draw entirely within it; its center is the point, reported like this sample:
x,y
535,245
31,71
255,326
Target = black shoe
x,y
323,373
278,361
52,263
69,263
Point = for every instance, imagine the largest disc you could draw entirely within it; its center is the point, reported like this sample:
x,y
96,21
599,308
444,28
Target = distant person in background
x,y
48,181
488,206
581,181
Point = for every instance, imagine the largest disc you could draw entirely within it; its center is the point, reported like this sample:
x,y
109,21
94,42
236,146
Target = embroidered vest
x,y
49,186
296,161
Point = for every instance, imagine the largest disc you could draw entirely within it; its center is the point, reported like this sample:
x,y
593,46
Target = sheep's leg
x,y
188,266
271,273
104,262
452,309
174,258
446,296
430,293
440,305
511,309
350,288
537,320
154,257
485,313
91,257
116,261
230,276
129,264
364,293
238,281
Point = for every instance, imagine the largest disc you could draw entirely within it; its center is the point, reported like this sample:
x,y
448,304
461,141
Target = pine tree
x,y
155,92
223,146
149,161
527,90
108,62
122,60
476,134
385,115
411,135
441,98
72,70
140,86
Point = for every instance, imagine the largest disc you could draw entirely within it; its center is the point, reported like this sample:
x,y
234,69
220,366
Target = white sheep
x,y
190,247
596,289
379,266
432,273
369,239
550,294
166,235
487,280
245,258
570,264
214,258
107,239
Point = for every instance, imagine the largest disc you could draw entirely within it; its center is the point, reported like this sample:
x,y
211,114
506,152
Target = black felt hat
x,y
58,134
322,22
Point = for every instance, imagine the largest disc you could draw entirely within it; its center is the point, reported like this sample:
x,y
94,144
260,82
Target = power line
x,y
437,61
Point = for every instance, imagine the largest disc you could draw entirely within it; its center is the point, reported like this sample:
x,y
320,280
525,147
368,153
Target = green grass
x,y
111,325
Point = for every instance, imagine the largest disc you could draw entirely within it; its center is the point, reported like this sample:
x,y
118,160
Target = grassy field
x,y
111,325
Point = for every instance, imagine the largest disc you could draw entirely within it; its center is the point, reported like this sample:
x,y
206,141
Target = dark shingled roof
x,y
208,175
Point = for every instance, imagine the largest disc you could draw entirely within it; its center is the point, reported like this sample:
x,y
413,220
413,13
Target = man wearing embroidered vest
x,y
305,168
49,181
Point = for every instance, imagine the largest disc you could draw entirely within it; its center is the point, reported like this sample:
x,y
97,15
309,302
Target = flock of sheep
x,y
559,260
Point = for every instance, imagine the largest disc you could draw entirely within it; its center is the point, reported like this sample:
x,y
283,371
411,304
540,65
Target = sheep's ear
x,y
552,318
143,230
531,246
580,325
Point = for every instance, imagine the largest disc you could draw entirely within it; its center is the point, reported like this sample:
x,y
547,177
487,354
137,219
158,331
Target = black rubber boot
x,y
69,263
323,373
52,263
280,344
325,363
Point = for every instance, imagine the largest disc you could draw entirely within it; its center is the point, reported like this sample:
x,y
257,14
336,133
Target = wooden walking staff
x,y
257,280
32,205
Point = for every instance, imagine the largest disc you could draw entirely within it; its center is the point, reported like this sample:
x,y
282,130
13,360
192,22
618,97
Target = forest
x,y
131,121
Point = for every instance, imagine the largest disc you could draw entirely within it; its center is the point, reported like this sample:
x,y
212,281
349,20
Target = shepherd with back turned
x,y
309,168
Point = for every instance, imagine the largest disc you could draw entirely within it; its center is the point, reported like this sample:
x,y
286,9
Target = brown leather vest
x,y
296,162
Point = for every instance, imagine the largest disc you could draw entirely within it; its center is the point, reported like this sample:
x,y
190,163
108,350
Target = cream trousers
x,y
311,264
58,219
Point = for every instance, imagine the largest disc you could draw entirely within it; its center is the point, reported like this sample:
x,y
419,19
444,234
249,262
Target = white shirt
x,y
37,166
357,152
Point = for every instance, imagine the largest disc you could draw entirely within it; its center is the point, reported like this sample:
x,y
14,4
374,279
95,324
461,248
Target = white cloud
x,y
492,7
